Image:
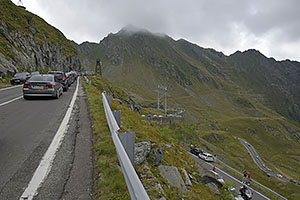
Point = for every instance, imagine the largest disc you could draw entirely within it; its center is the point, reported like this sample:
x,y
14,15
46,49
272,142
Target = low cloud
x,y
271,26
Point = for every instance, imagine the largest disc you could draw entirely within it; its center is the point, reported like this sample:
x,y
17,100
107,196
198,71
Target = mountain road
x,y
259,161
27,128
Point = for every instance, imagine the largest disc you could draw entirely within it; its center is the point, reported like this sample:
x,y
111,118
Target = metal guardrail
x,y
87,80
257,183
134,185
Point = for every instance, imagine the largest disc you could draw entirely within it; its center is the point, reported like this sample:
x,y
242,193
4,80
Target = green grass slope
x,y
110,181
244,95
19,20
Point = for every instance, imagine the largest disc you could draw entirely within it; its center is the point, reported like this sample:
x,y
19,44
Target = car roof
x,y
57,72
44,75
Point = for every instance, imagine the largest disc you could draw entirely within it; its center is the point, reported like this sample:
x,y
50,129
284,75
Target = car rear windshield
x,y
41,78
19,75
58,75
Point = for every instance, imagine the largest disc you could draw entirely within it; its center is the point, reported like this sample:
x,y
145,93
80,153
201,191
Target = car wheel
x,y
25,97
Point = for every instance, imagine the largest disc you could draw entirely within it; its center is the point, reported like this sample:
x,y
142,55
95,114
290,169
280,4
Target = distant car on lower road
x,y
196,151
206,156
19,78
42,85
246,193
235,194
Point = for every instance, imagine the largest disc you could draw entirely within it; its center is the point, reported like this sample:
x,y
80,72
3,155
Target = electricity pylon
x,y
162,93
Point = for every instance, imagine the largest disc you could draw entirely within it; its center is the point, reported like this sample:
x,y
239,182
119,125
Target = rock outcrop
x,y
141,151
172,175
157,155
32,44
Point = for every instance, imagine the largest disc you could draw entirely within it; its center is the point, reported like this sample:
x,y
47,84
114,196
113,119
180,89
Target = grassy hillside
x,y
110,183
142,60
218,136
244,95
23,22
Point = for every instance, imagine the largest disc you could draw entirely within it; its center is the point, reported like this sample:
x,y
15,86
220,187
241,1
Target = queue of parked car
x,y
52,84
202,154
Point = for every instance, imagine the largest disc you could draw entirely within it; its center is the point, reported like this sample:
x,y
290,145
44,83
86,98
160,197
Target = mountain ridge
x,y
188,64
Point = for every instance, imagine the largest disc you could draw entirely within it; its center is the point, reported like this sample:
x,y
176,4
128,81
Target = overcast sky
x,y
271,26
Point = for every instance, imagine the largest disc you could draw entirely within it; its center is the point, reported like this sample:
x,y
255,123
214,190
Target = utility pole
x,y
98,69
166,101
162,92
158,98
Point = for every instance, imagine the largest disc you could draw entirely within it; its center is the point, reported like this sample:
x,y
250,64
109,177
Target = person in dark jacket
x,y
244,177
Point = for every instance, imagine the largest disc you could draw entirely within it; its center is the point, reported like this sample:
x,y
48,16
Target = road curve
x,y
258,160
26,129
229,178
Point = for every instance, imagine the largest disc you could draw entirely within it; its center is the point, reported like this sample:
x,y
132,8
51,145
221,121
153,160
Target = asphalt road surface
x,y
27,128
228,178
259,162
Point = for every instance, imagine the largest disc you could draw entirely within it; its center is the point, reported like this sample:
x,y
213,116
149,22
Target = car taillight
x,y
63,78
26,86
49,86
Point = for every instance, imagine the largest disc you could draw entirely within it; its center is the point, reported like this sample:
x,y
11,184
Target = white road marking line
x,y
7,102
234,179
45,165
7,88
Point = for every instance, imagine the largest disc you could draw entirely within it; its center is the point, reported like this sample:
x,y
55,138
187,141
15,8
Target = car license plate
x,y
37,87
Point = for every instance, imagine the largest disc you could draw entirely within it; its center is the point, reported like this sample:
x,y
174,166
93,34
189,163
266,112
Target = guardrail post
x,y
128,141
117,115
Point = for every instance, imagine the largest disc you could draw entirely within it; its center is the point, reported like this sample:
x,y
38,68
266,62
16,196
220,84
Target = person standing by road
x,y
245,177
214,169
249,178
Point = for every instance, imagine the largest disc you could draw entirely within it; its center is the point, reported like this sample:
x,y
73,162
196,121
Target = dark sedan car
x,y
60,77
69,79
19,78
196,151
42,85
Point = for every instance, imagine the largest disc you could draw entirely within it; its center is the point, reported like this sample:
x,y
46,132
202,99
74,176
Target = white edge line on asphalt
x,y
7,88
234,178
12,100
45,165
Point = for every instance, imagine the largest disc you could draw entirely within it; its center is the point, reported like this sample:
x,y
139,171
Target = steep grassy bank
x,y
271,135
110,183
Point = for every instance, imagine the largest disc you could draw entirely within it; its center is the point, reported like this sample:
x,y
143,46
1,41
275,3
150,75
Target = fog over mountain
x,y
271,26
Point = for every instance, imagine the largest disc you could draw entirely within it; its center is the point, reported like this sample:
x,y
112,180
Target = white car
x,y
279,176
206,156
235,194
